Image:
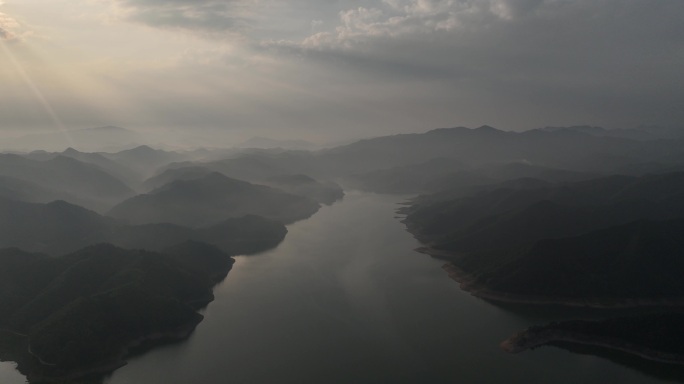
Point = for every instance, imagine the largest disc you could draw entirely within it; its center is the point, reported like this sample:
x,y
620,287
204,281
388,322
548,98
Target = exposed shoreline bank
x,y
540,336
469,283
37,370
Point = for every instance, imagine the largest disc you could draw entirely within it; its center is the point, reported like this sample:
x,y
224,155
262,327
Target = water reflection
x,y
345,299
9,374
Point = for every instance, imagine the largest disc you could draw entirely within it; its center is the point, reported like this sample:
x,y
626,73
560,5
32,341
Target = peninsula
x,y
656,337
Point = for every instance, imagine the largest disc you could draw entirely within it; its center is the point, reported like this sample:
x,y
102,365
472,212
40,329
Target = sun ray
x,y
37,93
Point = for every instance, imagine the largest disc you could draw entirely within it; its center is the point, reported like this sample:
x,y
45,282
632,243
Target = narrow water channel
x,y
345,299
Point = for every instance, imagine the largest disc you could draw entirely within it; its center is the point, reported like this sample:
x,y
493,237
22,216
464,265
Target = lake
x,y
345,299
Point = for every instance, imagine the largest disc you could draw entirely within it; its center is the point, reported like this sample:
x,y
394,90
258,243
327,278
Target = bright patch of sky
x,y
337,69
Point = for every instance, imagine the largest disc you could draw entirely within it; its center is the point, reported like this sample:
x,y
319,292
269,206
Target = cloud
x,y
4,35
604,61
8,27
555,42
213,18
332,65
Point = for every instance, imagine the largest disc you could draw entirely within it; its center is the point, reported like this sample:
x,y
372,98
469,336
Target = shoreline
x,y
469,283
551,335
108,366
33,364
531,339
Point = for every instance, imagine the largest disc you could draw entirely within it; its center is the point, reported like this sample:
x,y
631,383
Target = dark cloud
x,y
610,61
580,47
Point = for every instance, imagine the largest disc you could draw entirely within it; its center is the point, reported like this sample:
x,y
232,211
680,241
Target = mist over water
x,y
345,299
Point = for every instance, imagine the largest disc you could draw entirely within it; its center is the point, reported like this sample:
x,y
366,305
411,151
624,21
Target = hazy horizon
x,y
330,71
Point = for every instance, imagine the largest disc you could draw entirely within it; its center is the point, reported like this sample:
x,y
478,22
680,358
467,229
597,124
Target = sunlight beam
x,y
37,93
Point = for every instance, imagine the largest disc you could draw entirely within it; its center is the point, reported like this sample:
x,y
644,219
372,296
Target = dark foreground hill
x,y
510,215
211,199
640,263
79,315
609,241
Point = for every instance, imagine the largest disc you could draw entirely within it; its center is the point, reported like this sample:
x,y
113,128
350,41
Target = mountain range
x,y
211,199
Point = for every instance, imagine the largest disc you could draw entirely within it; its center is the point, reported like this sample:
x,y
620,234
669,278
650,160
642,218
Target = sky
x,y
338,69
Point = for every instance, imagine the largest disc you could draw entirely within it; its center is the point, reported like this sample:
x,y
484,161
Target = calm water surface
x,y
345,299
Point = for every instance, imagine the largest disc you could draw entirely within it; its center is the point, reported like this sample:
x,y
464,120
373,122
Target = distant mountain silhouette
x,y
143,159
303,185
175,174
634,134
89,184
263,142
107,138
570,150
414,178
120,171
211,199
563,149
22,190
249,167
447,173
